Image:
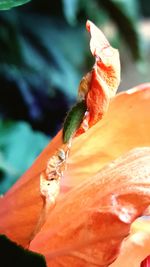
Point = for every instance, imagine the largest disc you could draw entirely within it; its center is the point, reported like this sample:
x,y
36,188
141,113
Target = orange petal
x,y
89,223
125,126
101,84
136,247
21,207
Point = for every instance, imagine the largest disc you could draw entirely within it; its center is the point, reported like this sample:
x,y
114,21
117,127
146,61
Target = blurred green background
x,y
44,52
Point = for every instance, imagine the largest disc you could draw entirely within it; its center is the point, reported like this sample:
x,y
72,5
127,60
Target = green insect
x,y
73,120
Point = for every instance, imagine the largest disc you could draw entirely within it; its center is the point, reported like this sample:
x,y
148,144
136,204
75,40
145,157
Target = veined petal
x,y
88,224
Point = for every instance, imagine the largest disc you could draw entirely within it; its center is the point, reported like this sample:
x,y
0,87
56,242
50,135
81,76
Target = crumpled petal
x,y
101,84
88,224
136,247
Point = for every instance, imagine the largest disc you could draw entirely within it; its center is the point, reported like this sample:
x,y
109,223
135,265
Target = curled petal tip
x,y
88,25
99,85
98,40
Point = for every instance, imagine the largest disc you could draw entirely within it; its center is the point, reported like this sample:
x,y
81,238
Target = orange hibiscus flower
x,y
105,186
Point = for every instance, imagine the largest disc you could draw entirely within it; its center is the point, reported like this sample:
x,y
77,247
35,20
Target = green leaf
x,y
50,56
70,9
7,4
125,24
9,40
54,49
73,120
13,255
19,146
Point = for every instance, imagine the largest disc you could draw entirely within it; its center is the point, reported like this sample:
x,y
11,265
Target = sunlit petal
x,y
125,126
89,223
